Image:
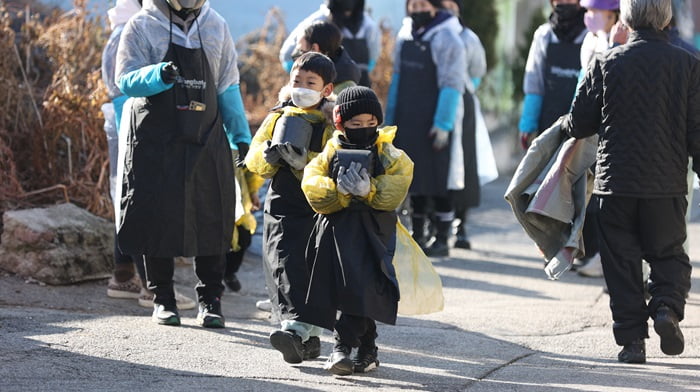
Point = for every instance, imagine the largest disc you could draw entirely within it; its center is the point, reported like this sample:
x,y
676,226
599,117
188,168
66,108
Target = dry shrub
x,y
51,120
381,74
262,75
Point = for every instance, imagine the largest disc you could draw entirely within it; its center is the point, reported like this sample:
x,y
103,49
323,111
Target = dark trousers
x,y
209,271
590,228
235,259
120,259
632,229
355,331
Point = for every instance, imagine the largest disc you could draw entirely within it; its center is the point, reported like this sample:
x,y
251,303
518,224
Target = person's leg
x,y
444,214
159,276
591,266
365,359
462,238
621,256
419,218
234,259
210,272
348,330
124,283
663,232
297,341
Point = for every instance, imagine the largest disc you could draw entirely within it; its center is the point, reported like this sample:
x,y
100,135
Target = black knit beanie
x,y
357,100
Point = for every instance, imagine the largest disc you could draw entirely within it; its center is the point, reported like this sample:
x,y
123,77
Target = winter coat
x,y
353,243
369,31
642,98
549,193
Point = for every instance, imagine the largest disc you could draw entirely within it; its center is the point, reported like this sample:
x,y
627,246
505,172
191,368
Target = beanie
x,y
356,100
601,4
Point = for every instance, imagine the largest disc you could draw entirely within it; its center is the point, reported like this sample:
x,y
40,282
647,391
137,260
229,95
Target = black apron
x,y
287,225
416,104
350,257
178,193
562,67
470,196
359,51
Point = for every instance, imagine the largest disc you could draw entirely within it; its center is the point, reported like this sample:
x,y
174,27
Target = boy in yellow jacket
x,y
355,185
288,218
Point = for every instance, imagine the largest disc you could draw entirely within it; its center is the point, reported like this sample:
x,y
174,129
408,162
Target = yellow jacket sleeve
x,y
255,161
319,188
388,190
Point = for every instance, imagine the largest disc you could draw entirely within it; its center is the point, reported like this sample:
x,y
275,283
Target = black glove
x,y
242,152
169,73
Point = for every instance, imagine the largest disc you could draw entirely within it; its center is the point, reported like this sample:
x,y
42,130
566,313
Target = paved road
x,y
505,327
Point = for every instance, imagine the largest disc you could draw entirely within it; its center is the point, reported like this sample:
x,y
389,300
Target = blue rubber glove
x,y
144,82
287,65
446,110
118,103
476,82
370,65
233,116
532,108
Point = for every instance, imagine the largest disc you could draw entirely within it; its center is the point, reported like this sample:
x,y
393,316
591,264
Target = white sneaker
x,y
183,302
592,269
264,305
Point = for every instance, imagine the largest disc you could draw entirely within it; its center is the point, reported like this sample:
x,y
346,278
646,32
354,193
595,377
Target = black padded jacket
x,y
643,99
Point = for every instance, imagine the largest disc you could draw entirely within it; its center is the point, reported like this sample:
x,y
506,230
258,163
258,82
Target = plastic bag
x,y
485,158
419,284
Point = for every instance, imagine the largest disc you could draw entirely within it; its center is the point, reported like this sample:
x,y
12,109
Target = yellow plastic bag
x,y
419,284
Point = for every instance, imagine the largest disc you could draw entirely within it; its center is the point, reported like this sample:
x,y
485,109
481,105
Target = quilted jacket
x,y
643,99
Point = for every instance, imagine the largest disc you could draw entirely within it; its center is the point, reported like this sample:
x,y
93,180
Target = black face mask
x,y
421,19
567,21
362,137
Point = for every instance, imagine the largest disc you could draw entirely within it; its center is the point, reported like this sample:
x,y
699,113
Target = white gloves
x,y
271,155
293,158
351,181
440,138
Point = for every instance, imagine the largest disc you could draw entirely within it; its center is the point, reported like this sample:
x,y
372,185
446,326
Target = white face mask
x,y
304,97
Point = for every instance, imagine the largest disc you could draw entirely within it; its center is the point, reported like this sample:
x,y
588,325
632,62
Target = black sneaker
x,y
634,352
209,315
232,283
438,249
165,315
463,243
289,344
339,362
365,359
312,348
666,325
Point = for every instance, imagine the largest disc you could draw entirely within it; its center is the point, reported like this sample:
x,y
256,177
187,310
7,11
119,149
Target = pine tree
x,y
482,17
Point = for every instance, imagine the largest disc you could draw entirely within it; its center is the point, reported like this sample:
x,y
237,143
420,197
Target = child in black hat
x,y
355,185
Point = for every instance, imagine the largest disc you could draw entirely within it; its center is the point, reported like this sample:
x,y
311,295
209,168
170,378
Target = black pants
x,y
590,228
440,204
355,331
632,229
235,259
209,271
122,259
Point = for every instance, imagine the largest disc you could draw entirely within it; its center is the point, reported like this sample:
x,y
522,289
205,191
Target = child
x,y
288,218
351,249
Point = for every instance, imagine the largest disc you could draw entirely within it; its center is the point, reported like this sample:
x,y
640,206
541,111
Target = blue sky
x,y
244,16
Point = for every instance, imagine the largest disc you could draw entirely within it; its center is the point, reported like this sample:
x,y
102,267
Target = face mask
x,y
566,11
304,97
421,19
595,21
361,136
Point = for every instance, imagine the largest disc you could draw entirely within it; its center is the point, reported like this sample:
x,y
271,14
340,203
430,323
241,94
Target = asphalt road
x,y
505,327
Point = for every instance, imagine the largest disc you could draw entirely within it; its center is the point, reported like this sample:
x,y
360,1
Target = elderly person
x,y
641,98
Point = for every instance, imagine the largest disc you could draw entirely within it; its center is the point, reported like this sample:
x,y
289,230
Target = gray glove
x,y
293,158
339,185
440,138
356,183
271,155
